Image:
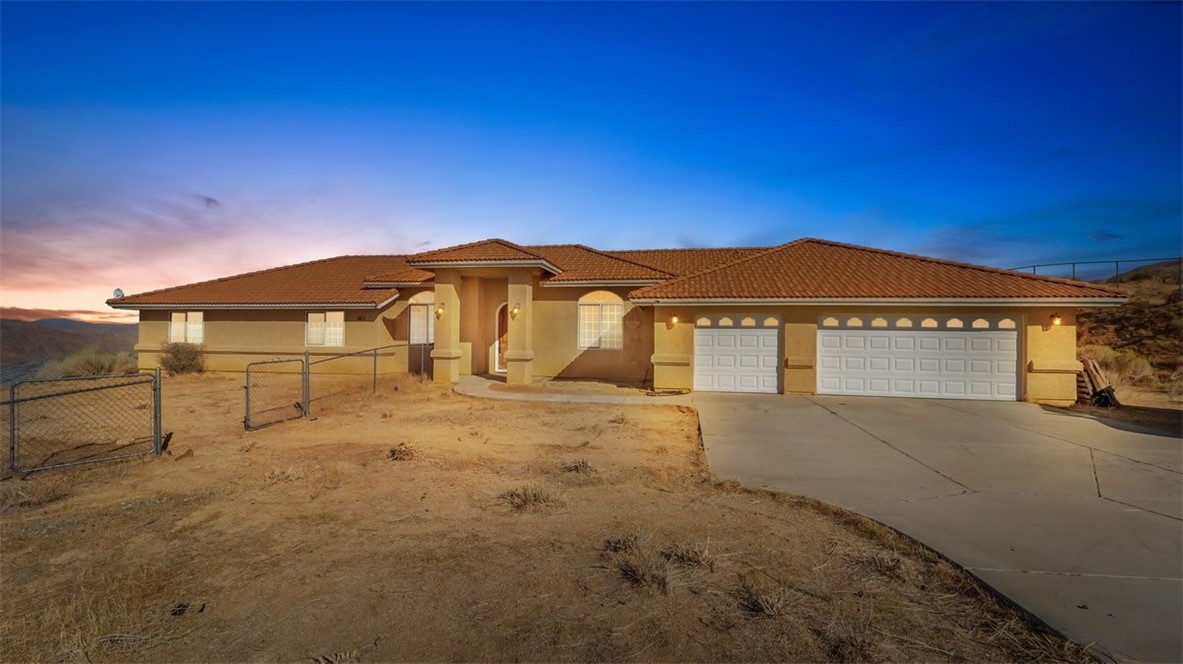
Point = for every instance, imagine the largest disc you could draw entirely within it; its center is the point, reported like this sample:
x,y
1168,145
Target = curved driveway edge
x,y
1076,519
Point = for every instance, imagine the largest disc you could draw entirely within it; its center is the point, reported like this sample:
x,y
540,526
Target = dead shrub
x,y
182,358
643,568
247,446
580,466
619,419
281,476
761,601
530,496
90,361
402,452
690,554
628,543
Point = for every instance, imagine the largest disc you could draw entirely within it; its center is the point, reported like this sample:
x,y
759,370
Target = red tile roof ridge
x,y
416,258
724,266
605,254
898,254
256,273
971,266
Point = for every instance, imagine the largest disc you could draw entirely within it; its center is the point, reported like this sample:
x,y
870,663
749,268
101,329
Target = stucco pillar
x,y
673,349
520,356
446,354
1051,357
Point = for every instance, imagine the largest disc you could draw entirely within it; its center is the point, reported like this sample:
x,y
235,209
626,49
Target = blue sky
x,y
146,145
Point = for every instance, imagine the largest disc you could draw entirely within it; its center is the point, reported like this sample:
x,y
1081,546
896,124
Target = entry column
x,y
520,356
446,354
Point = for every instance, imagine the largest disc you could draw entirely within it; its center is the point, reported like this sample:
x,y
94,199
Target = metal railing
x,y
55,422
1098,272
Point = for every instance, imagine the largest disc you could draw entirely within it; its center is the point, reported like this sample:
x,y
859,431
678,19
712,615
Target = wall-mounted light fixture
x,y
517,309
439,310
1056,320
674,320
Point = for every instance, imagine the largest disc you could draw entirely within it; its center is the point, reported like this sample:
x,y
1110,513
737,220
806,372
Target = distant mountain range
x,y
52,338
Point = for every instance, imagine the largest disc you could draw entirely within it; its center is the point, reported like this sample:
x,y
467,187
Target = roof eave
x,y
242,305
894,301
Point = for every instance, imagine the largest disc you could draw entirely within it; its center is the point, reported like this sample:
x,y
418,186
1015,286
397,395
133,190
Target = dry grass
x,y
340,545
34,490
281,476
531,497
579,466
401,452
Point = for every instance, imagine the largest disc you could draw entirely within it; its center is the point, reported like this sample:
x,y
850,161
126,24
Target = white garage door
x,y
935,357
736,353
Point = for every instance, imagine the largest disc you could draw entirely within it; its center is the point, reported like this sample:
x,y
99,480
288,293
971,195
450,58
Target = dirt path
x,y
422,525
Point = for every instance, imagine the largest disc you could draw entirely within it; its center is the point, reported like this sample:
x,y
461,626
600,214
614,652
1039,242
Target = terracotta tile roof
x,y
491,250
579,263
404,274
680,262
810,268
330,282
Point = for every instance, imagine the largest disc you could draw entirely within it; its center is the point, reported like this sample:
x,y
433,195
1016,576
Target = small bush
x,y
580,466
90,361
529,496
401,452
768,603
1102,355
690,554
1123,367
182,358
280,476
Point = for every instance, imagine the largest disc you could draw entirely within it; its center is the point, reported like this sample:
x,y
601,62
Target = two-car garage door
x,y
941,357
945,357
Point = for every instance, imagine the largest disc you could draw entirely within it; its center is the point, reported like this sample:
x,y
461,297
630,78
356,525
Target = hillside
x,y
1150,324
22,341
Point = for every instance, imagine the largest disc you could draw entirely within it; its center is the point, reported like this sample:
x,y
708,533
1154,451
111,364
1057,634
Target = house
x,y
810,316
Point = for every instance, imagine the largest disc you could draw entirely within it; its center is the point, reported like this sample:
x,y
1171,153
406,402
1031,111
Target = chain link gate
x,y
55,422
276,391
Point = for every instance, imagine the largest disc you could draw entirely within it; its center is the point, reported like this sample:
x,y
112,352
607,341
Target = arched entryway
x,y
501,338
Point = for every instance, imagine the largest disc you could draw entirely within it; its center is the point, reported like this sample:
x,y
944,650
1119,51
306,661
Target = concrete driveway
x,y
1076,519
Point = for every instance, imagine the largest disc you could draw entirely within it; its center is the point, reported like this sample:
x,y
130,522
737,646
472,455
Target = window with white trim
x,y
601,321
325,328
422,324
187,327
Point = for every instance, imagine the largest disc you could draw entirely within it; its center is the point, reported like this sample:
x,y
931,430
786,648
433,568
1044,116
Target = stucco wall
x,y
1047,353
556,339
235,337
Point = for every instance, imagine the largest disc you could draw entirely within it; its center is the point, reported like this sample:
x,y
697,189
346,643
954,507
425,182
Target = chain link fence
x,y
276,391
57,422
285,389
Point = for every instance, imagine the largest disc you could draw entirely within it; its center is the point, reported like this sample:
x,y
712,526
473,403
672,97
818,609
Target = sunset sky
x,y
148,145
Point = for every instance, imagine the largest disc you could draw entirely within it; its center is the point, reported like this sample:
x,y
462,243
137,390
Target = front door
x,y
502,344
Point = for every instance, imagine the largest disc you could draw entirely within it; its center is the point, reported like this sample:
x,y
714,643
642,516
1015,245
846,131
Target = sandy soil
x,y
422,525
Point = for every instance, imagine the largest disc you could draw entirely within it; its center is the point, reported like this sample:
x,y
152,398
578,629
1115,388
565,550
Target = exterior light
x,y
517,308
674,320
1056,320
439,310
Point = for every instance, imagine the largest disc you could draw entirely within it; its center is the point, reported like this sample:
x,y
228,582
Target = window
x,y
422,324
421,318
601,321
186,327
325,328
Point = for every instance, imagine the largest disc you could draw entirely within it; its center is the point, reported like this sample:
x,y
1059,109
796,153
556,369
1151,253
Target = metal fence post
x,y
12,427
307,384
156,412
246,417
374,389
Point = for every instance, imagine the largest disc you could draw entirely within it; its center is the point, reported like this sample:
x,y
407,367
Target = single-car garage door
x,y
936,357
736,353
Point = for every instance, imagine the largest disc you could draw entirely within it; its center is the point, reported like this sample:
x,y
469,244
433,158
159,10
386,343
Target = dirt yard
x,y
422,525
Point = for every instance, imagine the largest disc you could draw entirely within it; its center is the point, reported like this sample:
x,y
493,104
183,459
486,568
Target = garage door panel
x,y
735,359
962,363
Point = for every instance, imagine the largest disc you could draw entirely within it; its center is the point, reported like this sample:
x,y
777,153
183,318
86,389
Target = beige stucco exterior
x,y
234,338
1047,353
542,336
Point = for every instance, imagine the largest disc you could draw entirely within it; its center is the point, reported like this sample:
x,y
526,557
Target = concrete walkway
x,y
1076,519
